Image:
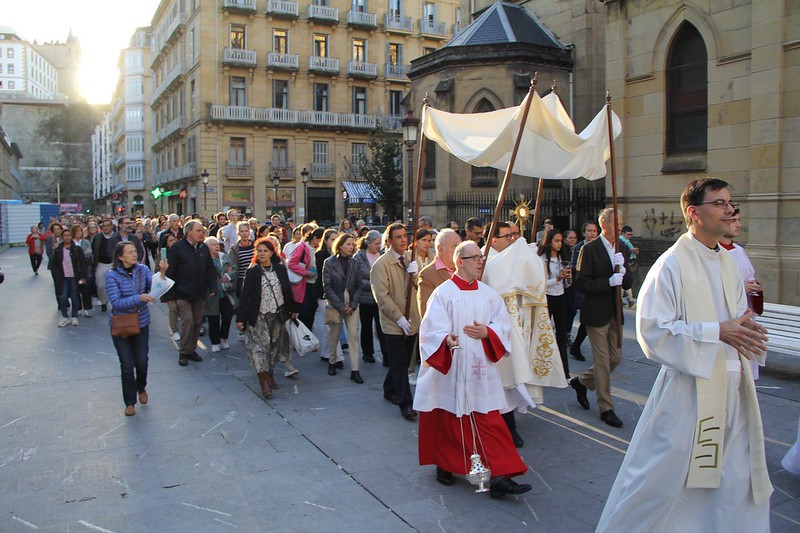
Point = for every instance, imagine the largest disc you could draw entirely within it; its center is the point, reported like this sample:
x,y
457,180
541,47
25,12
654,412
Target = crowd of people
x,y
472,323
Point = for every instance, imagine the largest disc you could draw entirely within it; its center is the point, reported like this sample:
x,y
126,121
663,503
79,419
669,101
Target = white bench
x,y
783,323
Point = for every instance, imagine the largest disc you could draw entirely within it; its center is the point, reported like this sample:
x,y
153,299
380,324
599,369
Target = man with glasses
x,y
459,390
103,257
696,460
515,271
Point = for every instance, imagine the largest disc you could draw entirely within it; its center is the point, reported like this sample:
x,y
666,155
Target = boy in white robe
x,y
696,460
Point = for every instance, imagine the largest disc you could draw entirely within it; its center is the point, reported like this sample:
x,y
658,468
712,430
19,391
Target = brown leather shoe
x,y
143,397
272,383
263,379
129,410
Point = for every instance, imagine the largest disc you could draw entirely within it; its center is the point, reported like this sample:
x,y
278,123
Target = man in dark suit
x,y
597,277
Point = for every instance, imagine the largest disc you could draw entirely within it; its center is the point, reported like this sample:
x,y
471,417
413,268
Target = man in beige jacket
x,y
389,280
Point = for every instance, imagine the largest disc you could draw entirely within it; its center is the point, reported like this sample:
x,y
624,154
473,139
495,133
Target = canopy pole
x,y
507,178
417,195
618,288
539,189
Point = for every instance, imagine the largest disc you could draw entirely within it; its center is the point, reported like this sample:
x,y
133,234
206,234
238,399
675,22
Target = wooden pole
x,y
504,188
417,196
618,288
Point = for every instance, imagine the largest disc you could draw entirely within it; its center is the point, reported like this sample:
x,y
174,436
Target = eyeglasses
x,y
477,257
722,204
508,236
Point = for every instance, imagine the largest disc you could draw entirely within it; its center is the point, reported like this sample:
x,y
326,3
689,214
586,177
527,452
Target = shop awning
x,y
359,192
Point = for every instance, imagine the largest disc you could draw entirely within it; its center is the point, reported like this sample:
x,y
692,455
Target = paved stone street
x,y
323,454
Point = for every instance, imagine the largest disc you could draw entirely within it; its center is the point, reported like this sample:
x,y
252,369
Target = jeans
x,y
132,353
36,261
219,325
69,289
398,350
85,293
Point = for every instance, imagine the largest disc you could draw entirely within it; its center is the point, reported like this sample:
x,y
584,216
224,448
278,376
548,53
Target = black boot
x,y
331,369
512,427
355,375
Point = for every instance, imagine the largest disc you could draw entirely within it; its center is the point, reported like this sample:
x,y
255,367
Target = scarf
x,y
706,461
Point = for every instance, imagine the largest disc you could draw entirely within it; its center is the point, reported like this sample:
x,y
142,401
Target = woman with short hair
x,y
219,308
369,250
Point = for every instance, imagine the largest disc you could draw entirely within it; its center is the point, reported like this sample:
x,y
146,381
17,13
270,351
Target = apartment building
x,y
24,72
103,178
264,95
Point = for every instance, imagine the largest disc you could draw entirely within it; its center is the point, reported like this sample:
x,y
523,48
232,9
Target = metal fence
x,y
557,205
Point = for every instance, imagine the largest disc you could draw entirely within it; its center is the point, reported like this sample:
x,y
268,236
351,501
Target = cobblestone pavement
x,y
323,454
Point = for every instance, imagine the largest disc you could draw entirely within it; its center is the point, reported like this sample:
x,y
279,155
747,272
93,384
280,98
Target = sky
x,y
103,28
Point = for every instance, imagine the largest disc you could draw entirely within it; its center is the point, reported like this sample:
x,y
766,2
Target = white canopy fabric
x,y
550,148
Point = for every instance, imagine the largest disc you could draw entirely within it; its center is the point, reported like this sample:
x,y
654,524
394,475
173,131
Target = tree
x,y
383,170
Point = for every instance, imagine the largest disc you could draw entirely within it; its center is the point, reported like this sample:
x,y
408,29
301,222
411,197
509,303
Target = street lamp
x,y
276,180
410,124
204,175
304,174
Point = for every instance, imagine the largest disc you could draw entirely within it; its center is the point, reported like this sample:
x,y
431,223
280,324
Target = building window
x,y
11,68
238,152
321,97
360,6
396,103
687,93
10,53
359,157
320,45
394,54
319,164
429,13
191,149
191,46
427,50
280,154
360,100
484,176
360,50
395,9
238,36
280,41
429,172
238,92
11,85
320,2
280,94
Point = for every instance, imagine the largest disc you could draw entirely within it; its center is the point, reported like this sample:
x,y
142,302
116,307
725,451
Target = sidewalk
x,y
323,454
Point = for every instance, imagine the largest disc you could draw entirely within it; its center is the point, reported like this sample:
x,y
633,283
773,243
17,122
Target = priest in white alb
x,y
459,395
696,461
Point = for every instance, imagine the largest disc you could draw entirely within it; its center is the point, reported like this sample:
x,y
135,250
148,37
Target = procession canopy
x,y
550,147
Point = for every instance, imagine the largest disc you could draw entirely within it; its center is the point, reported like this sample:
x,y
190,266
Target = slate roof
x,y
504,23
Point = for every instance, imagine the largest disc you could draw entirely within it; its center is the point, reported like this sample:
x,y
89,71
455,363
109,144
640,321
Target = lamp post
x,y
304,174
276,180
410,124
205,175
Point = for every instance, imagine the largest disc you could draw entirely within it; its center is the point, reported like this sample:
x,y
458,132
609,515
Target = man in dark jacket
x,y
597,279
124,234
195,276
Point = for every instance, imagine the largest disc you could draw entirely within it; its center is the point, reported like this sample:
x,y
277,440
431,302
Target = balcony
x,y
239,57
188,170
323,14
327,65
239,169
284,170
432,28
323,171
134,156
293,118
362,69
172,76
119,160
170,129
361,20
134,70
398,72
288,61
398,24
163,36
241,6
132,99
283,9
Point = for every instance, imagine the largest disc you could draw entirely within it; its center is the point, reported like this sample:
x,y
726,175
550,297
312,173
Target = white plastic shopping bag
x,y
301,338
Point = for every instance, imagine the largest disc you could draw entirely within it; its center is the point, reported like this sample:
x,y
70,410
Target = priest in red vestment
x,y
464,332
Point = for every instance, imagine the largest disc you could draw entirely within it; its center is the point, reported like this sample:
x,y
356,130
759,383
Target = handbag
x,y
301,338
126,325
333,315
294,278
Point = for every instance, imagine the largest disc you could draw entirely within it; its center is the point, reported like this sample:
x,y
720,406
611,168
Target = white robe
x,y
473,383
535,362
650,494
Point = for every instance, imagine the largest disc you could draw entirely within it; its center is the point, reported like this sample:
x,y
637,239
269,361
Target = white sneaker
x,y
87,313
214,348
224,344
412,378
74,321
176,336
289,370
63,322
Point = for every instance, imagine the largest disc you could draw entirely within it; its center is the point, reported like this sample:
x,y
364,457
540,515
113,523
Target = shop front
x,y
285,205
239,198
359,199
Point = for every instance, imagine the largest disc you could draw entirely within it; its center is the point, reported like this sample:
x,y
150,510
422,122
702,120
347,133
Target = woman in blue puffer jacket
x,y
128,284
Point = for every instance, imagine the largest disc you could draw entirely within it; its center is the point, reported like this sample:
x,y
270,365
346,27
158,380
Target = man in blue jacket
x,y
192,269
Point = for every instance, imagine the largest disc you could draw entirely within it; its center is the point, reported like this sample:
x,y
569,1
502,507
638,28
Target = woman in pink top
x,y
302,263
